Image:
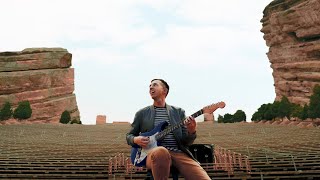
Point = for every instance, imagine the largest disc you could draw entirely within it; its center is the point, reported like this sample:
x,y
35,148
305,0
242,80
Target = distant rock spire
x,y
101,119
208,117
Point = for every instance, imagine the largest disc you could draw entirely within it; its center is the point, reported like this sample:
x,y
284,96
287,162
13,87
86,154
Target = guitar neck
x,y
171,128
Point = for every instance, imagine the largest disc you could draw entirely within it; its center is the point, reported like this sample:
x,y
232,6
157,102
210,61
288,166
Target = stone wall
x,y
292,31
43,77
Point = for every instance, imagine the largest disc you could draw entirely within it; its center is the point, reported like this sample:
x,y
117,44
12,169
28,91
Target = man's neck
x,y
159,103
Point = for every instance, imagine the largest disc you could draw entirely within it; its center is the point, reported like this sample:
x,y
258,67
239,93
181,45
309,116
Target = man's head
x,y
158,87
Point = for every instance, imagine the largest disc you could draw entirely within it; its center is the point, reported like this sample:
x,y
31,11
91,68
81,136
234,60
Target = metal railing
x,y
224,159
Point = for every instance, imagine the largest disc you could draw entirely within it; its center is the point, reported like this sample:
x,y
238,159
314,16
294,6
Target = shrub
x,y
239,116
296,110
304,113
23,111
273,110
65,117
260,114
229,118
257,116
284,108
314,106
220,119
74,121
266,112
277,109
5,112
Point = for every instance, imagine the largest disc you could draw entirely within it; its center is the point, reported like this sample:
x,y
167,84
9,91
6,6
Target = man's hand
x,y
141,141
191,125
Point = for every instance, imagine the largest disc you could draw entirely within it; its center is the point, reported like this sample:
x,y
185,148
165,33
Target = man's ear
x,y
166,91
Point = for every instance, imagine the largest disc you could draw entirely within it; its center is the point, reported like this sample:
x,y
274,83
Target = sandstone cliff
x,y
44,77
292,31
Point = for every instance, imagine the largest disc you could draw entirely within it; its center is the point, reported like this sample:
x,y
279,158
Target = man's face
x,y
156,89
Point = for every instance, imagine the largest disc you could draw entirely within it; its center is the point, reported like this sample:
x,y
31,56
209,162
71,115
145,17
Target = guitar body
x,y
139,155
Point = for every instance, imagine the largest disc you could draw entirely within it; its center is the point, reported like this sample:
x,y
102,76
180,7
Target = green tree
x,y
5,112
314,106
275,106
220,119
304,113
65,117
296,110
284,108
271,111
257,116
23,111
260,114
267,111
227,118
239,116
269,114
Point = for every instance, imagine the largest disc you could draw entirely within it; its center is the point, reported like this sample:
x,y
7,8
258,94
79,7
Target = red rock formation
x,y
208,117
101,119
43,77
292,31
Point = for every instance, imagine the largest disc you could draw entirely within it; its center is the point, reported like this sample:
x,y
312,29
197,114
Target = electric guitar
x,y
139,154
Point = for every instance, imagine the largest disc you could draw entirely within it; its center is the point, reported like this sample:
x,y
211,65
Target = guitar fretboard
x,y
171,128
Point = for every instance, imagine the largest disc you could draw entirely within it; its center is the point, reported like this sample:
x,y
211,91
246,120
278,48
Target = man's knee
x,y
160,154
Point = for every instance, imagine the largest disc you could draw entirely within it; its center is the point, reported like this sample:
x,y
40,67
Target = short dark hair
x,y
164,83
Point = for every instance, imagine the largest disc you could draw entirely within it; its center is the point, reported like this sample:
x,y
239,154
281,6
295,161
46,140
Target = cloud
x,y
37,23
117,45
162,5
99,55
206,33
202,45
112,27
227,12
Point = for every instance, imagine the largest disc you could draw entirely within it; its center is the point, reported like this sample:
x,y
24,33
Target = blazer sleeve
x,y
187,139
135,129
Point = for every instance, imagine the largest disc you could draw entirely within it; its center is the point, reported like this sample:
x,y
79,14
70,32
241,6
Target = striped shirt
x,y
168,142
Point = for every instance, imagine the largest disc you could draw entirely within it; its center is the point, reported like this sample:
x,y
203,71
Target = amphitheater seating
x,y
46,151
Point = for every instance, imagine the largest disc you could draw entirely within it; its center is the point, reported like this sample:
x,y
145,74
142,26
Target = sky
x,y
208,51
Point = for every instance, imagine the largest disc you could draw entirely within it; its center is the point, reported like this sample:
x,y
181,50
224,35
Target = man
x,y
173,149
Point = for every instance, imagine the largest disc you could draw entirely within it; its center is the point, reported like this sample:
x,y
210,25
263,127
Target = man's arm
x,y
135,129
133,137
189,131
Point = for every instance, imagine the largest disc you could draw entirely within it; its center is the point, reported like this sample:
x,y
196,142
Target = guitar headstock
x,y
212,107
